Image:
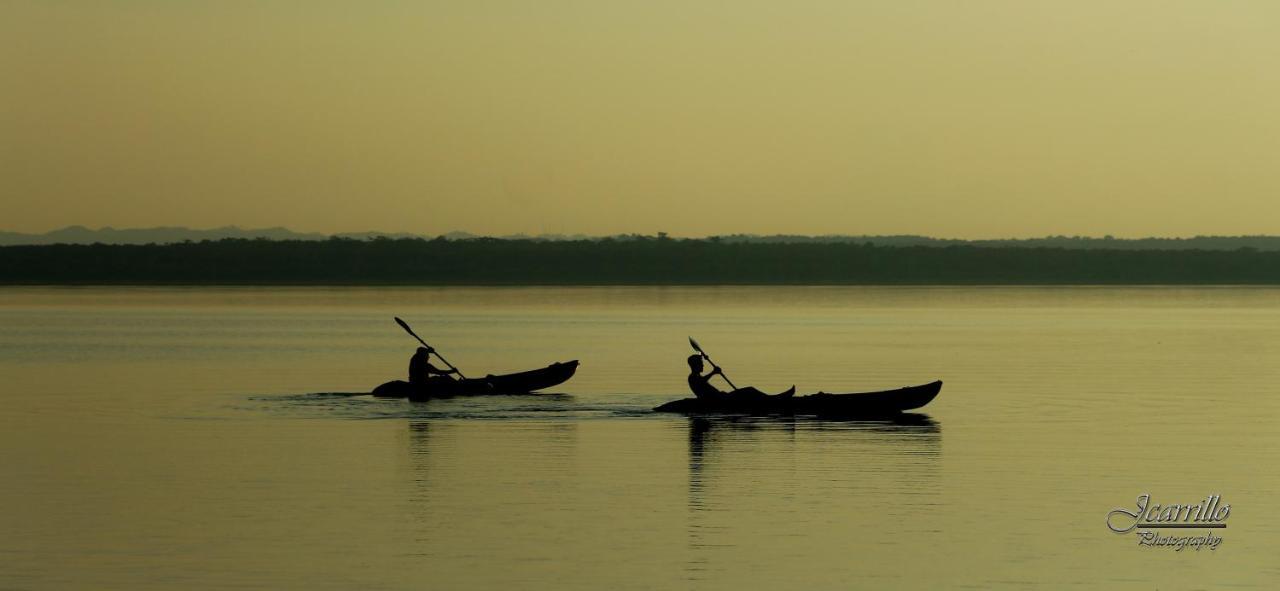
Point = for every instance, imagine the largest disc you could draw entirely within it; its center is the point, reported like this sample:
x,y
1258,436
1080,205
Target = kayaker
x,y
702,388
421,370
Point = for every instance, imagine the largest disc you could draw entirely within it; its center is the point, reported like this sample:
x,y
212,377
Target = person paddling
x,y
421,370
702,388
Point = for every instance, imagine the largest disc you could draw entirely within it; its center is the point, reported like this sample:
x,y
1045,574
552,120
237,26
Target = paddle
x,y
713,364
406,328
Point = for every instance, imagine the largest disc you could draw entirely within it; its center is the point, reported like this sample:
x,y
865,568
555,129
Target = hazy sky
x,y
960,119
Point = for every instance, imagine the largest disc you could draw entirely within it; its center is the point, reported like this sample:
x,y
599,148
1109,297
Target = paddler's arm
x,y
433,370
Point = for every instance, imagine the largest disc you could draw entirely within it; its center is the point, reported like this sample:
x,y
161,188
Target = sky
x,y
975,119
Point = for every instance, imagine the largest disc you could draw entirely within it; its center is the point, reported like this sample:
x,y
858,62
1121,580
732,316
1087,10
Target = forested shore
x,y
633,261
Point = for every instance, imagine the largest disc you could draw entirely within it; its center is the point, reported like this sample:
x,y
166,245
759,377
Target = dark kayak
x,y
512,383
888,402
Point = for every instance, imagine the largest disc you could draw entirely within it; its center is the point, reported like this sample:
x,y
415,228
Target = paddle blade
x,y
695,345
405,326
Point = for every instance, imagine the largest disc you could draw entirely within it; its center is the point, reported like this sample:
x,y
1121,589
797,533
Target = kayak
x,y
513,383
887,402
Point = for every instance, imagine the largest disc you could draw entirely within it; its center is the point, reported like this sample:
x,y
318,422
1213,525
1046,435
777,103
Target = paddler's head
x,y
695,363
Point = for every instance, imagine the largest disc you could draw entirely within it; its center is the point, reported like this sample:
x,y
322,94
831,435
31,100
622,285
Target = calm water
x,y
181,438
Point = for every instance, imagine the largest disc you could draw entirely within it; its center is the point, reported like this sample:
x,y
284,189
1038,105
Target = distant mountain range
x,y
174,234
159,235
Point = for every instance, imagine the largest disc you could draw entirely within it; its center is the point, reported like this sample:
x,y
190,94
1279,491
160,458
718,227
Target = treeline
x,y
175,234
635,261
1089,242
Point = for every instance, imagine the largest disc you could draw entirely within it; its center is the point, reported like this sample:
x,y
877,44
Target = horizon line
x,y
585,235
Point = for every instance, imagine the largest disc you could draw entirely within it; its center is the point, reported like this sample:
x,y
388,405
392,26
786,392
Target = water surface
x,y
203,438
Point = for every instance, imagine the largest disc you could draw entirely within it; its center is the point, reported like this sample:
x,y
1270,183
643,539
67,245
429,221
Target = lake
x,y
201,437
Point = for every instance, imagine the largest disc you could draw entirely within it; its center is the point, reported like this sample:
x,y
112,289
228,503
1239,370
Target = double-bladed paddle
x,y
713,364
406,328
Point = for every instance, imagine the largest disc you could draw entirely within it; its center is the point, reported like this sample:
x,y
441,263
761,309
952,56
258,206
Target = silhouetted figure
x,y
421,370
702,388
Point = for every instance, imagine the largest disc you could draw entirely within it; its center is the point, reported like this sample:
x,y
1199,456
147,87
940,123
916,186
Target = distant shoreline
x,y
388,284
177,234
4,286
639,261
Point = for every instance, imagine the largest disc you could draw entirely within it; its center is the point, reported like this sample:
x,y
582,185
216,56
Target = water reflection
x,y
472,478
911,434
448,445
420,438
802,480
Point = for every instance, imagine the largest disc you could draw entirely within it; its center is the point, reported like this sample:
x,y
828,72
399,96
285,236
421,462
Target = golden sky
x,y
956,119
